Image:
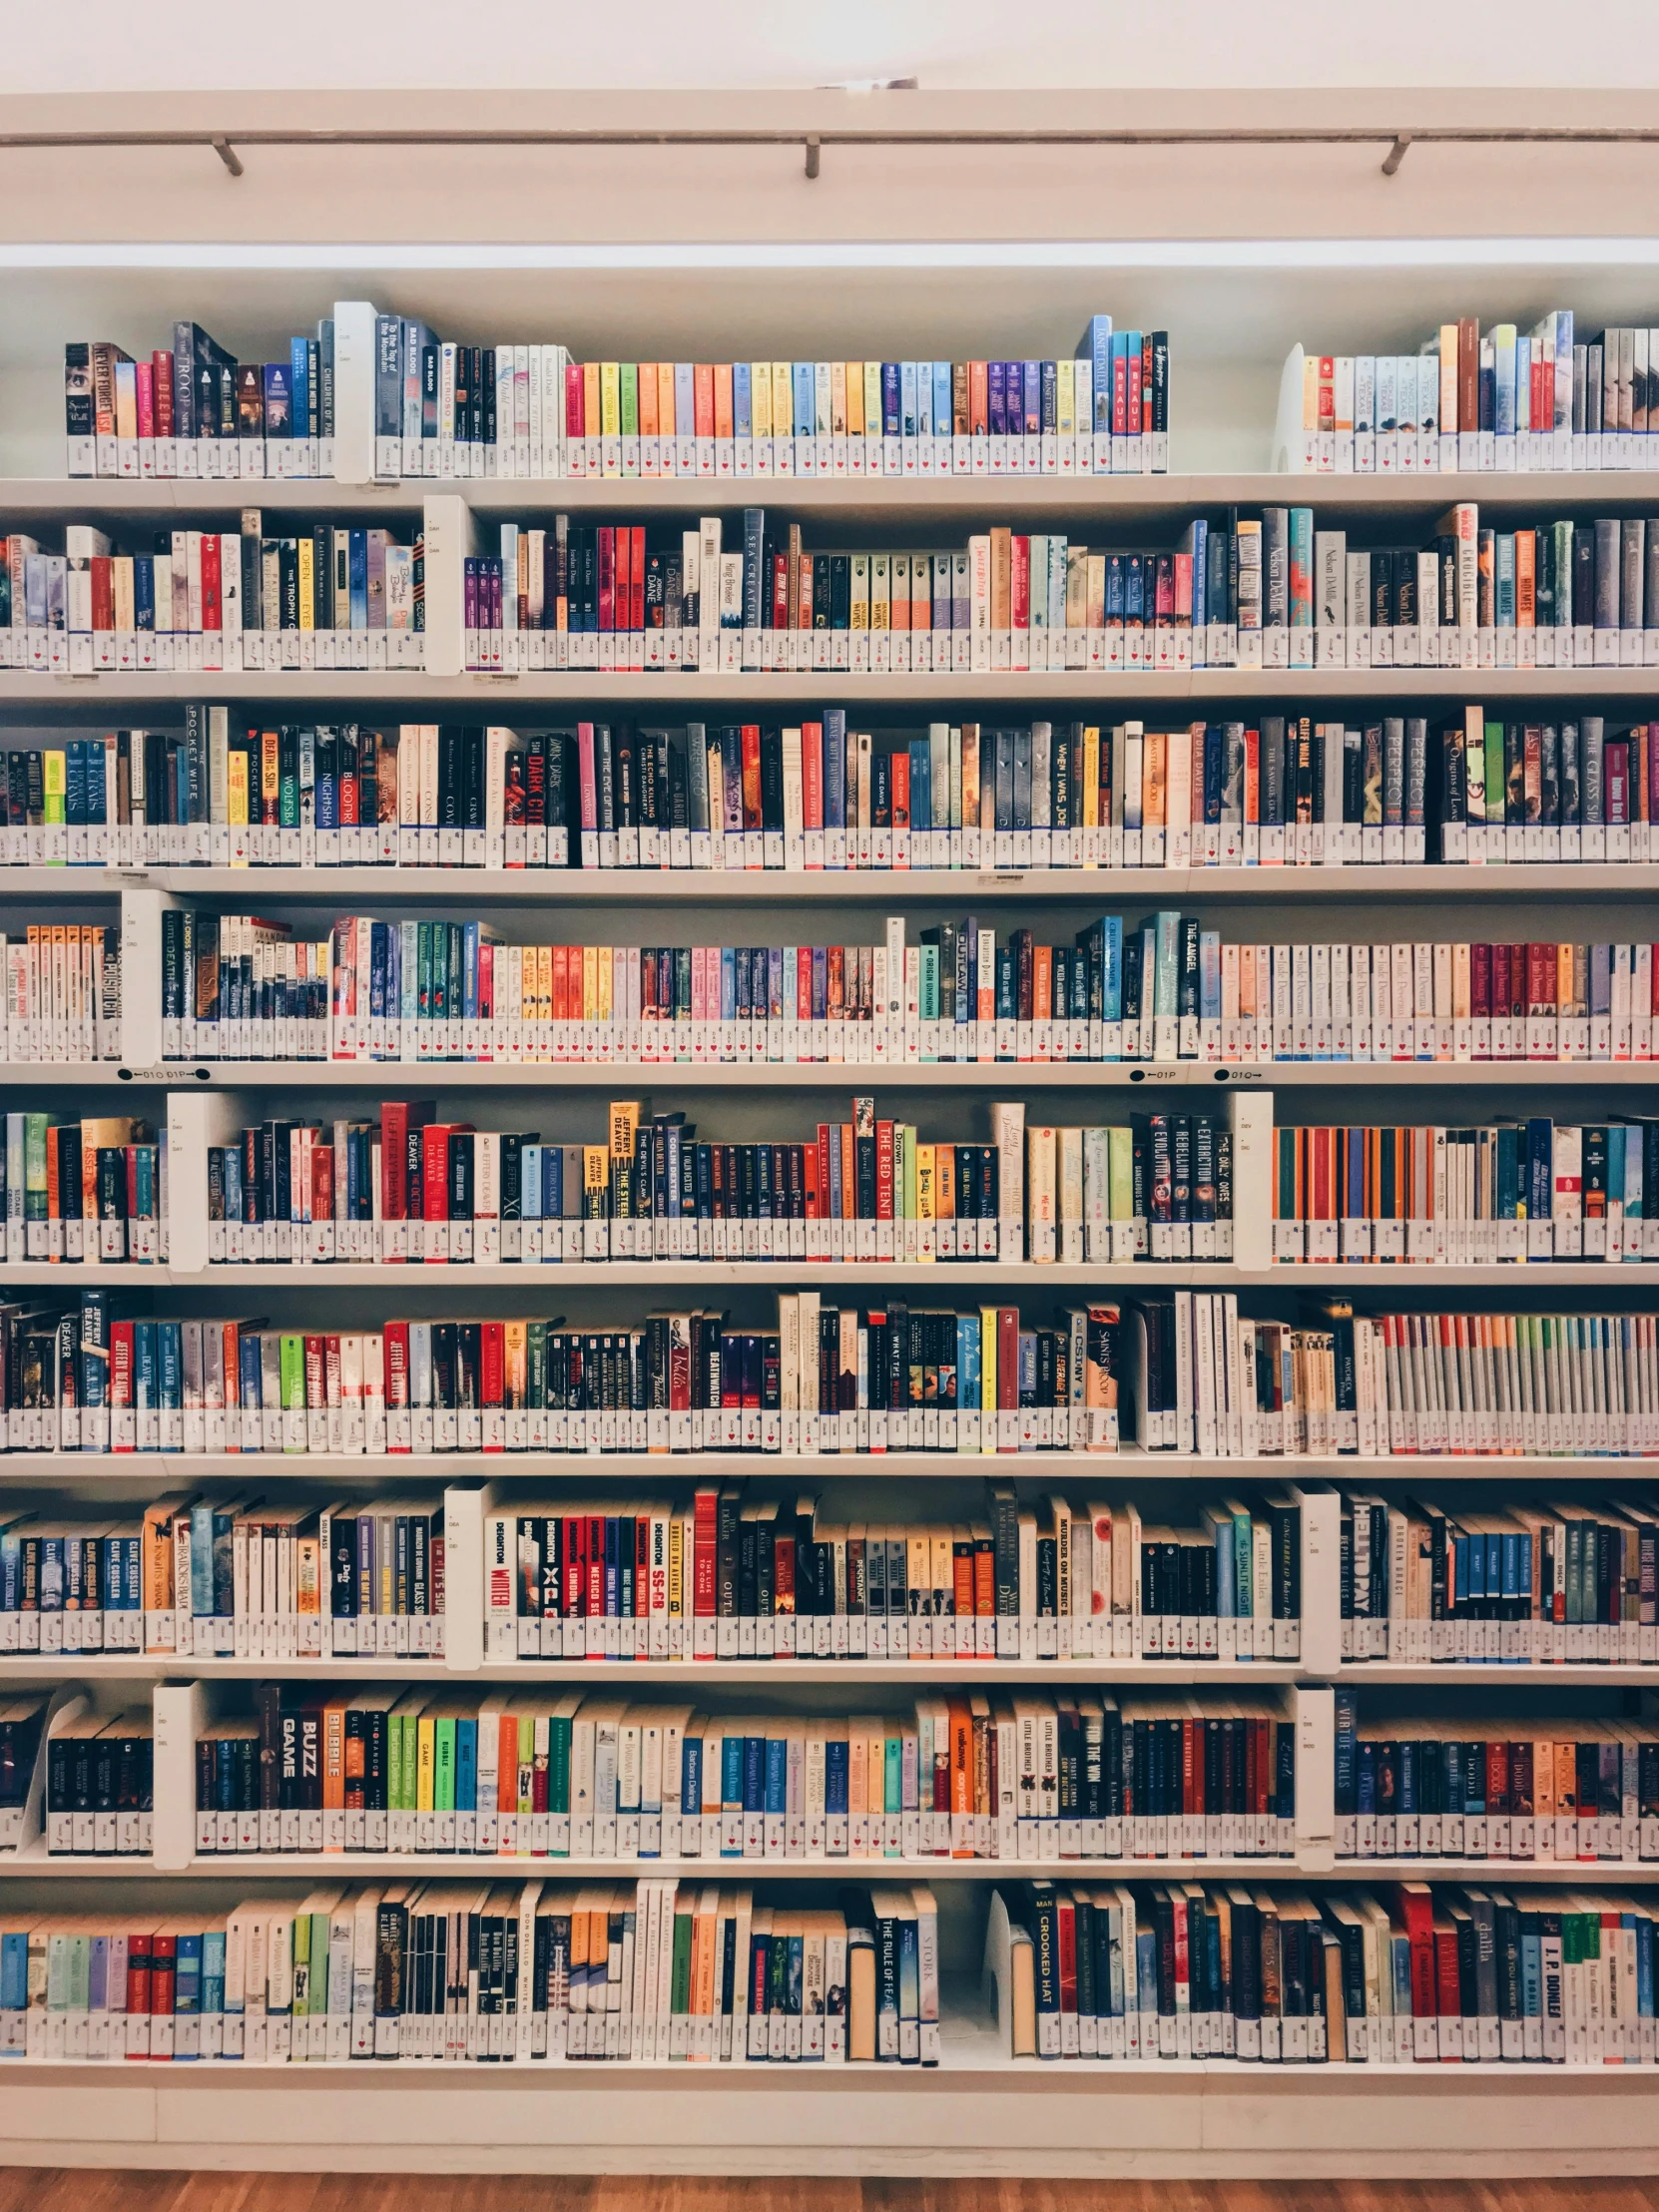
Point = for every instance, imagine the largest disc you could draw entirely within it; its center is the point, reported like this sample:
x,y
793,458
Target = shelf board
x,y
1490,1674
381,1865
1131,1462
915,498
669,1274
745,1673
480,694
939,1075
683,886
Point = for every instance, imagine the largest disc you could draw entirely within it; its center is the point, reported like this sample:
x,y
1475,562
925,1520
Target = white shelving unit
x,y
981,2112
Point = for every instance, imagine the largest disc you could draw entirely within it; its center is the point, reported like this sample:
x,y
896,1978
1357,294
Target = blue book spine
x,y
835,1768
247,1353
754,541
466,1766
742,416
892,417
943,413
835,767
357,579
730,1772
299,381
202,1561
1095,347
143,1365
806,414
97,801
691,1777
75,781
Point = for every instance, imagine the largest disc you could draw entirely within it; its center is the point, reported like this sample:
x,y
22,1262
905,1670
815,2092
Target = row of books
x,y
99,1786
454,411
411,1187
649,1971
1512,400
717,1575
1470,1786
1434,1385
63,991
194,410
858,1378
1289,792
1539,1583
93,1189
232,1577
1520,1190
1403,1975
1187,1371
329,598
584,1777
1559,595
1163,990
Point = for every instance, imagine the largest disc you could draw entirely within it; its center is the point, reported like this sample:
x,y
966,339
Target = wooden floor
x,y
45,2189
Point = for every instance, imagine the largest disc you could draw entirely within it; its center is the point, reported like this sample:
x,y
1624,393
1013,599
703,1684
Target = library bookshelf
x,y
980,2111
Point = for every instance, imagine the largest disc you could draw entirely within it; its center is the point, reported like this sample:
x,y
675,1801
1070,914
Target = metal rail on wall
x,y
813,143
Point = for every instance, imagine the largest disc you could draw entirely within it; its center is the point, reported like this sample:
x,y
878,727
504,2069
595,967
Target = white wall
x,y
110,45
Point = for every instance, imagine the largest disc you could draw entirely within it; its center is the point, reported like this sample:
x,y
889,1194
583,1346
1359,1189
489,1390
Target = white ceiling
x,y
318,45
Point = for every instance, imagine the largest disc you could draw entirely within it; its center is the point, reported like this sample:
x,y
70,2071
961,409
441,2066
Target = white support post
x,y
140,974
451,534
1316,1795
196,1120
181,1711
1252,1113
354,391
463,1576
1321,1592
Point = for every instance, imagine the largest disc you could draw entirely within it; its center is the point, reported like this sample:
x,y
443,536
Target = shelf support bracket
x,y
1395,155
228,155
813,152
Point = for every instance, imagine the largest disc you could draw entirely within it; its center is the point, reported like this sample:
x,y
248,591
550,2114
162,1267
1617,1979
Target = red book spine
x,y
1120,395
492,1371
811,775
1449,2001
394,1161
704,1526
212,600
1007,1358
650,1586
1481,983
1067,1917
103,592
397,1365
163,1966
434,1170
752,818
574,427
883,1171
323,1182
317,1381
575,1557
607,576
161,385
636,577
137,1988
1019,582
1540,979
144,384
596,1566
